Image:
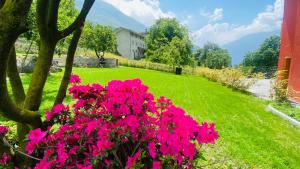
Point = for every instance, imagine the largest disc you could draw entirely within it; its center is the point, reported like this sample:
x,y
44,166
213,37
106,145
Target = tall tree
x,y
161,34
213,56
218,59
99,38
201,54
265,58
47,19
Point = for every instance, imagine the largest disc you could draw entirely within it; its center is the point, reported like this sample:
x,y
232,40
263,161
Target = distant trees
x,y
99,38
168,42
265,58
213,56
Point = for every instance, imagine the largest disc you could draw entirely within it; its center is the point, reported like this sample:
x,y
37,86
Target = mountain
x,y
106,14
239,48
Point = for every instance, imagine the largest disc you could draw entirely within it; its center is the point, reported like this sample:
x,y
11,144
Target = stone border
x,y
283,116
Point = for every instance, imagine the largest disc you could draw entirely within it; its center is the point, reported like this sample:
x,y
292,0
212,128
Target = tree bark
x,y
97,54
14,78
12,16
41,70
68,67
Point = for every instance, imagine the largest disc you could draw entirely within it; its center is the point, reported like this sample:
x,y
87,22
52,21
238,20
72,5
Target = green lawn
x,y
250,137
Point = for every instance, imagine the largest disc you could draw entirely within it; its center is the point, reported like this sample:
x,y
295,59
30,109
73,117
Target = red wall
x,y
290,45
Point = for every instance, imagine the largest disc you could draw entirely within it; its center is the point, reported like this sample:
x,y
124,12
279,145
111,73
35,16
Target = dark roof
x,y
143,34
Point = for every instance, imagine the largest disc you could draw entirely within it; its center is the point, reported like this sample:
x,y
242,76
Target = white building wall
x,y
123,43
130,44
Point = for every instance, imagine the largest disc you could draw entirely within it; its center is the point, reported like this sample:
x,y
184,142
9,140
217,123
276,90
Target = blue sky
x,y
220,21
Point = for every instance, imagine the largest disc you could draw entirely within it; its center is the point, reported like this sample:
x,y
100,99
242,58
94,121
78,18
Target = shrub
x,y
235,78
120,125
280,87
231,77
146,65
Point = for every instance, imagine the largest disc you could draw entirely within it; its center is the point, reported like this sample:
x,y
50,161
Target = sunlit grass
x,y
250,137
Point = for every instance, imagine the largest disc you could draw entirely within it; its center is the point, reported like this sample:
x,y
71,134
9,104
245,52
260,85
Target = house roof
x,y
142,34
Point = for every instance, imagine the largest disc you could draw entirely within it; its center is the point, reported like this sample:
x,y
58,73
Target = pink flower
x,y
90,127
75,79
62,155
152,149
36,136
207,134
120,117
3,130
156,165
43,164
58,108
131,161
59,112
107,162
30,147
5,159
88,167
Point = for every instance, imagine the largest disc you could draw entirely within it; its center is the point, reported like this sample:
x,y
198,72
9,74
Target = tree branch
x,y
79,20
8,108
42,10
97,54
68,67
53,14
14,78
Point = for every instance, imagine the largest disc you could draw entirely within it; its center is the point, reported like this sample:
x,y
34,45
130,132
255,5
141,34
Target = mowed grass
x,y
250,137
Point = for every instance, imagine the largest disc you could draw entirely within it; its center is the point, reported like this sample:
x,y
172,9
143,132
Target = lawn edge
x,y
293,121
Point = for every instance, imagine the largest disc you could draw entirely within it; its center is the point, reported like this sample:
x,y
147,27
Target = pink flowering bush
x,y
4,157
120,125
3,130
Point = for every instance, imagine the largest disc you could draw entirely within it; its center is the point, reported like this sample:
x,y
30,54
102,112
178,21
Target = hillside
x,y
106,14
239,48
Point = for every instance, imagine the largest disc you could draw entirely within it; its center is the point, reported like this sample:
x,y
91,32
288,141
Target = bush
x,y
146,65
280,87
231,77
237,78
118,126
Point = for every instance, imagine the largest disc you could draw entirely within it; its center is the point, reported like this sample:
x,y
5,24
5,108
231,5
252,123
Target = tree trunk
x,y
12,16
68,67
41,70
14,78
97,54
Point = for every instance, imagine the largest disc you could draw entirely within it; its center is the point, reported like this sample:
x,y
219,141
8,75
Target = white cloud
x,y
224,33
145,11
217,15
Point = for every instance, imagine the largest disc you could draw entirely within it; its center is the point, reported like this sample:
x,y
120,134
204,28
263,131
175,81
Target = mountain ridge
x,y
106,14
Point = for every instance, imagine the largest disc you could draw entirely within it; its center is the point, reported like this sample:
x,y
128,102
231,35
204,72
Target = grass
x,y
250,137
288,110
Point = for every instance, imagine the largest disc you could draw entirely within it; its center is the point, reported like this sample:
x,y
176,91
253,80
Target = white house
x,y
130,44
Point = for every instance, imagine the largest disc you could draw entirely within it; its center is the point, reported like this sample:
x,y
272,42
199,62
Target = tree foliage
x,y
99,38
168,42
265,58
213,56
